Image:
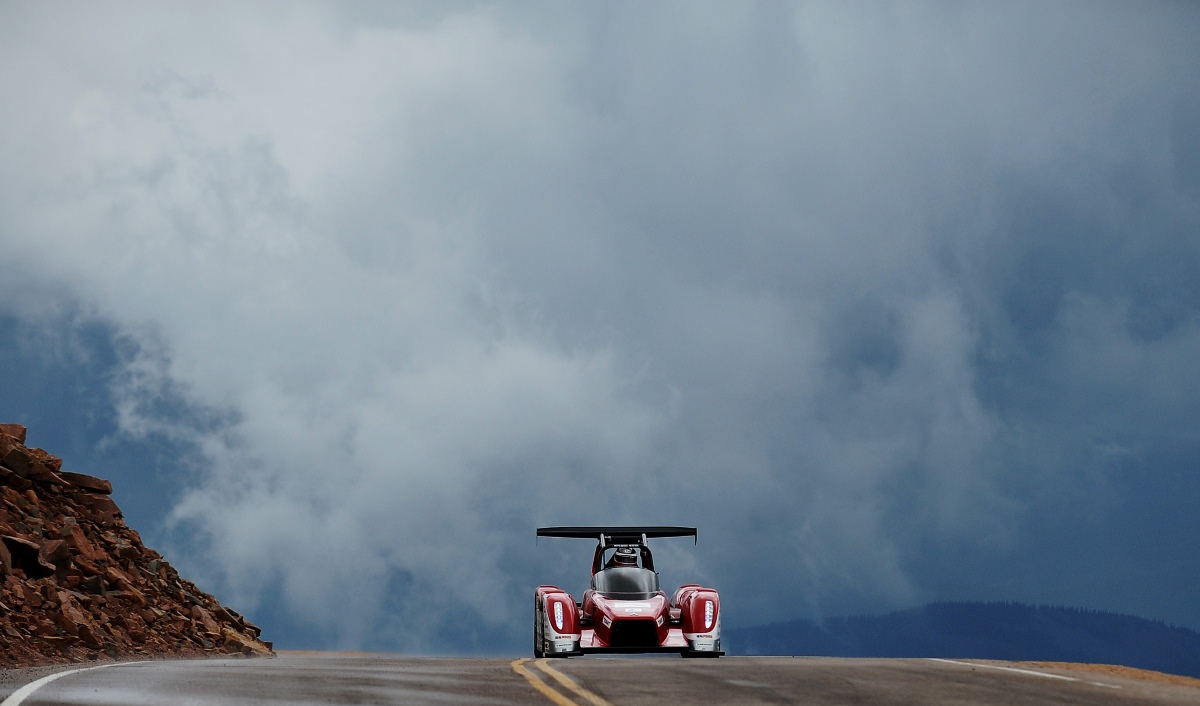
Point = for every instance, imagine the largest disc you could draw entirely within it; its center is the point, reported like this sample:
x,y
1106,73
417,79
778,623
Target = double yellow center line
x,y
531,676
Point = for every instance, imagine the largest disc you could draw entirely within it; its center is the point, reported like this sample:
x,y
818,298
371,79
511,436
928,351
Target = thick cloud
x,y
866,293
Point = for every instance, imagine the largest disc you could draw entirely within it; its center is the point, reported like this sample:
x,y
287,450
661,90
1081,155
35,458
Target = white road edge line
x,y
984,666
18,696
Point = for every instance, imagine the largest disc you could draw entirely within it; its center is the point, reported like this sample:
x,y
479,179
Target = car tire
x,y
537,633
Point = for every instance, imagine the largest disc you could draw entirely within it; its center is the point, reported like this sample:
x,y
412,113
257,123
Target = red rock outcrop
x,y
77,584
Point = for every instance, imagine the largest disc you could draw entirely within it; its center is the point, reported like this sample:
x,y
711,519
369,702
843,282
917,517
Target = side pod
x,y
700,615
556,631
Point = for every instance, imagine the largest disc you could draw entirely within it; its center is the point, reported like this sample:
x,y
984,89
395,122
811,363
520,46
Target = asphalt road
x,y
336,678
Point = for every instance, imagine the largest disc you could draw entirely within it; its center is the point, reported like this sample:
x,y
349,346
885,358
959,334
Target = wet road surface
x,y
343,678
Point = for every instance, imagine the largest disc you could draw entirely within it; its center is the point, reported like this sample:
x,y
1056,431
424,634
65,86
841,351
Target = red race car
x,y
624,609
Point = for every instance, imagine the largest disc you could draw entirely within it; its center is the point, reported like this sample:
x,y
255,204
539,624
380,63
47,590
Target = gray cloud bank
x,y
895,302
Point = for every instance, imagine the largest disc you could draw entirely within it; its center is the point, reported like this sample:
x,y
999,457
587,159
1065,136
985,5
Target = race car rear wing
x,y
618,535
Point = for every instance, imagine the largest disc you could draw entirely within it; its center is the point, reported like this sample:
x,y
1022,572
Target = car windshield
x,y
626,582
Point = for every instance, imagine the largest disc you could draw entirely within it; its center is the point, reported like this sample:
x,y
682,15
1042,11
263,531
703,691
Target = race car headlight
x,y
708,614
558,616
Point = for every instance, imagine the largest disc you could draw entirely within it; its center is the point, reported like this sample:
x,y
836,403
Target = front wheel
x,y
537,633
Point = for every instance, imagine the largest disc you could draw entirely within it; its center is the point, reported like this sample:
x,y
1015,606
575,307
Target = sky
x,y
896,303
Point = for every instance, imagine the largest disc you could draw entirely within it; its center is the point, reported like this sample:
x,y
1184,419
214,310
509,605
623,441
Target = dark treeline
x,y
1010,631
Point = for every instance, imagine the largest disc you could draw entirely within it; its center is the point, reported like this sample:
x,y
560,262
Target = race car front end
x,y
624,608
629,626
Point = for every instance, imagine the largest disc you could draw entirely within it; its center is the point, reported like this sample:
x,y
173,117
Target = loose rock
x,y
77,584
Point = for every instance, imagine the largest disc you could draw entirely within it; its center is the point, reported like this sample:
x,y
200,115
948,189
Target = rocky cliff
x,y
78,584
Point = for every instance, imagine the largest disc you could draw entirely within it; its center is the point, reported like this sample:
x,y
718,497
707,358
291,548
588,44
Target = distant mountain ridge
x,y
1009,631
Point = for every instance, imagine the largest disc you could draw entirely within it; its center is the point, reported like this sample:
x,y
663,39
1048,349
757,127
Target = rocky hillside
x,y
77,584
